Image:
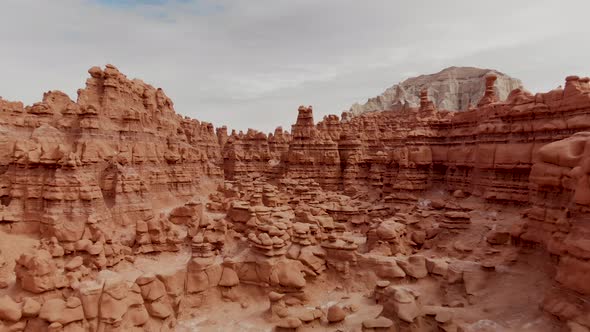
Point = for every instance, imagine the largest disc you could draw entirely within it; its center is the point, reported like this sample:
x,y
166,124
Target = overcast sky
x,y
251,63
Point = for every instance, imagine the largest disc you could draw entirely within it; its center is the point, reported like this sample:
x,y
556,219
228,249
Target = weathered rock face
x,y
487,151
311,148
560,194
363,203
75,168
453,89
502,151
254,154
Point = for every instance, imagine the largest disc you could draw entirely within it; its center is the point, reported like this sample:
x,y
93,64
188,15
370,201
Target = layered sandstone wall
x,y
97,170
487,151
530,150
254,154
559,217
101,162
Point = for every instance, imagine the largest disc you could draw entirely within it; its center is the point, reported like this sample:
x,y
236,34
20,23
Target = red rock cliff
x,y
487,151
97,168
101,163
530,150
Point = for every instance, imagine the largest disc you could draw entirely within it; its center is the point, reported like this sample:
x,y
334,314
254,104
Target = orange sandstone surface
x,y
117,214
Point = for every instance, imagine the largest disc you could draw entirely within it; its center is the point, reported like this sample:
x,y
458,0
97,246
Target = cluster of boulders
x,y
98,180
106,303
253,233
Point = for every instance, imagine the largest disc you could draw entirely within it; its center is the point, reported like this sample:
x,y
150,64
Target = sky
x,y
251,63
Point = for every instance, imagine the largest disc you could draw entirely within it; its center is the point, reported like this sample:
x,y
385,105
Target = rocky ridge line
x,y
453,89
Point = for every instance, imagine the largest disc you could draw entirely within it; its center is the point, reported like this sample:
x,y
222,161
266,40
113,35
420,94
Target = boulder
x,y
437,266
289,323
229,278
31,307
74,263
9,309
414,266
62,312
336,314
378,323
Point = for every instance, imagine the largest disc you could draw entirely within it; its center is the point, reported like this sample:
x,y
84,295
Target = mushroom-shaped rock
x,y
289,274
229,278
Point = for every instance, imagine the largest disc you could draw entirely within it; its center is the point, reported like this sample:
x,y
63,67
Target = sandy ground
x,y
216,315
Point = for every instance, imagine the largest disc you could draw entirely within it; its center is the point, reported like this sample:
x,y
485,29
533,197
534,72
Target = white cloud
x,y
251,63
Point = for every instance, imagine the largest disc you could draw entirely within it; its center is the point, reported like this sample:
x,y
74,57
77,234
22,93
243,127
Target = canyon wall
x,y
487,151
101,166
102,163
529,150
118,173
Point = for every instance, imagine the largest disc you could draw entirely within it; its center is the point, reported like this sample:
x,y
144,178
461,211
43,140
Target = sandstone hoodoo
x,y
118,214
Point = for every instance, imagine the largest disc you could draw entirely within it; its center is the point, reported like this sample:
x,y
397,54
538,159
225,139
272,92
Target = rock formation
x,y
453,89
117,214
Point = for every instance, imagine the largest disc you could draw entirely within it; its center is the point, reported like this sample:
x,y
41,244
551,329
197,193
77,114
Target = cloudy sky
x,y
251,63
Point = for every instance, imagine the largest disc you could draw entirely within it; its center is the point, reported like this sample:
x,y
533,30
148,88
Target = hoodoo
x,y
118,214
